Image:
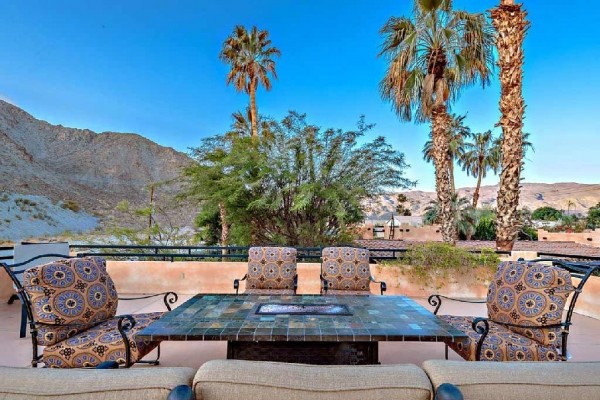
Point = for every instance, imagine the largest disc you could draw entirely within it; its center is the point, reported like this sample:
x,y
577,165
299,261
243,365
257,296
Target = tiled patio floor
x,y
584,340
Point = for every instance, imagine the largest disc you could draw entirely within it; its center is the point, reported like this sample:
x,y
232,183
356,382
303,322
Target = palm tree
x,y
431,57
509,21
465,216
480,156
458,132
251,58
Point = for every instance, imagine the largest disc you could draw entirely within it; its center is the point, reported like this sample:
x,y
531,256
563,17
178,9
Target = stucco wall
x,y
591,238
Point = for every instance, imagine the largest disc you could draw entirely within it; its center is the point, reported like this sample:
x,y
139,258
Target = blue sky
x,y
152,67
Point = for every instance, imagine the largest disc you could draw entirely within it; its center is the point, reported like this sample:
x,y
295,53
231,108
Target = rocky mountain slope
x,y
533,195
94,170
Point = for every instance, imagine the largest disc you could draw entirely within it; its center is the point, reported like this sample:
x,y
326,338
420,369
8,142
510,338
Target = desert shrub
x,y
435,263
70,205
547,214
4,197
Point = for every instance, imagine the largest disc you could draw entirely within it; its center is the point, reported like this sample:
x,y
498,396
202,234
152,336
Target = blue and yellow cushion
x,y
271,268
74,293
534,294
100,343
501,344
346,269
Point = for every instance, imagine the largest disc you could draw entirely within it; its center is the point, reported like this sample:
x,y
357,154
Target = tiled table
x,y
306,338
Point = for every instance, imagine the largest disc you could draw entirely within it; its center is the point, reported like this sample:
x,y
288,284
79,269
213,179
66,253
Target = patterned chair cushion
x,y
500,344
530,294
101,343
271,268
346,269
76,293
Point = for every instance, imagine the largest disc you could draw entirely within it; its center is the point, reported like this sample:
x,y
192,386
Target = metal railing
x,y
206,253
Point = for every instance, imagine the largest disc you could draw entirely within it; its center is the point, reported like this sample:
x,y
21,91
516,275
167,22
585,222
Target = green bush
x,y
71,205
441,260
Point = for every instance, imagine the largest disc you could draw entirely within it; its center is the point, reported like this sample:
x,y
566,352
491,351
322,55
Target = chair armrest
x,y
236,283
169,298
447,391
382,284
181,392
435,300
323,284
124,325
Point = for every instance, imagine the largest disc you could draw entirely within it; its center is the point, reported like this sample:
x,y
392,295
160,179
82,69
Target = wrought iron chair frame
x,y
236,282
124,324
324,287
577,269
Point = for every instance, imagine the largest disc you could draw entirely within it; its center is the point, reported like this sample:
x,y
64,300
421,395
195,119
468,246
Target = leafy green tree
x,y
300,185
401,209
431,58
593,217
547,214
252,59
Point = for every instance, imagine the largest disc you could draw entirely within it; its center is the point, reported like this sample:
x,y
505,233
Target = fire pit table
x,y
310,329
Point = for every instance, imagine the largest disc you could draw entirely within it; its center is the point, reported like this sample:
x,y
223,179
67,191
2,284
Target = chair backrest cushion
x,y
75,293
346,268
535,294
271,268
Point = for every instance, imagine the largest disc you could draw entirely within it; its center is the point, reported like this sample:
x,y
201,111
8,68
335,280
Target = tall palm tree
x,y
480,156
457,133
511,25
251,58
431,57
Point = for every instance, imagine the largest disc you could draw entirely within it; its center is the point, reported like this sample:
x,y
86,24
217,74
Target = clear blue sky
x,y
152,67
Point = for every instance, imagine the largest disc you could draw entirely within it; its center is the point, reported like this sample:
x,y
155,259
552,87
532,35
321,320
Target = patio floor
x,y
584,340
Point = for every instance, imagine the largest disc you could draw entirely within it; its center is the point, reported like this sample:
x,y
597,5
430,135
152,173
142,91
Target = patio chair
x,y
25,251
71,305
526,318
271,270
345,270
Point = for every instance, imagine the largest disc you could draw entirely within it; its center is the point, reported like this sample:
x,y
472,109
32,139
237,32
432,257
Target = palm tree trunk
x,y
509,21
224,226
476,192
440,121
451,174
253,112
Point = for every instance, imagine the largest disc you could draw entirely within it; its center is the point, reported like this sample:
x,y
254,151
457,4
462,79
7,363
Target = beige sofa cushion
x,y
518,380
251,380
148,383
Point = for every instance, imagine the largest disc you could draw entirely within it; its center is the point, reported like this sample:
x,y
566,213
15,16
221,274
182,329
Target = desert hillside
x,y
95,171
533,195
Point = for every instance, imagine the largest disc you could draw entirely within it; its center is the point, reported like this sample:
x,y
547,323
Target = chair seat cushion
x,y
100,343
501,344
335,292
91,384
276,292
262,380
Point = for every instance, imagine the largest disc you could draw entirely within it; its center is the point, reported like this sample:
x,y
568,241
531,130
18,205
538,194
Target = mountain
x,y
93,170
533,195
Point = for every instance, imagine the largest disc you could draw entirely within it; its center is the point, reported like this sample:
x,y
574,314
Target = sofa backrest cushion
x,y
90,384
525,293
75,293
271,267
518,380
346,268
259,380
